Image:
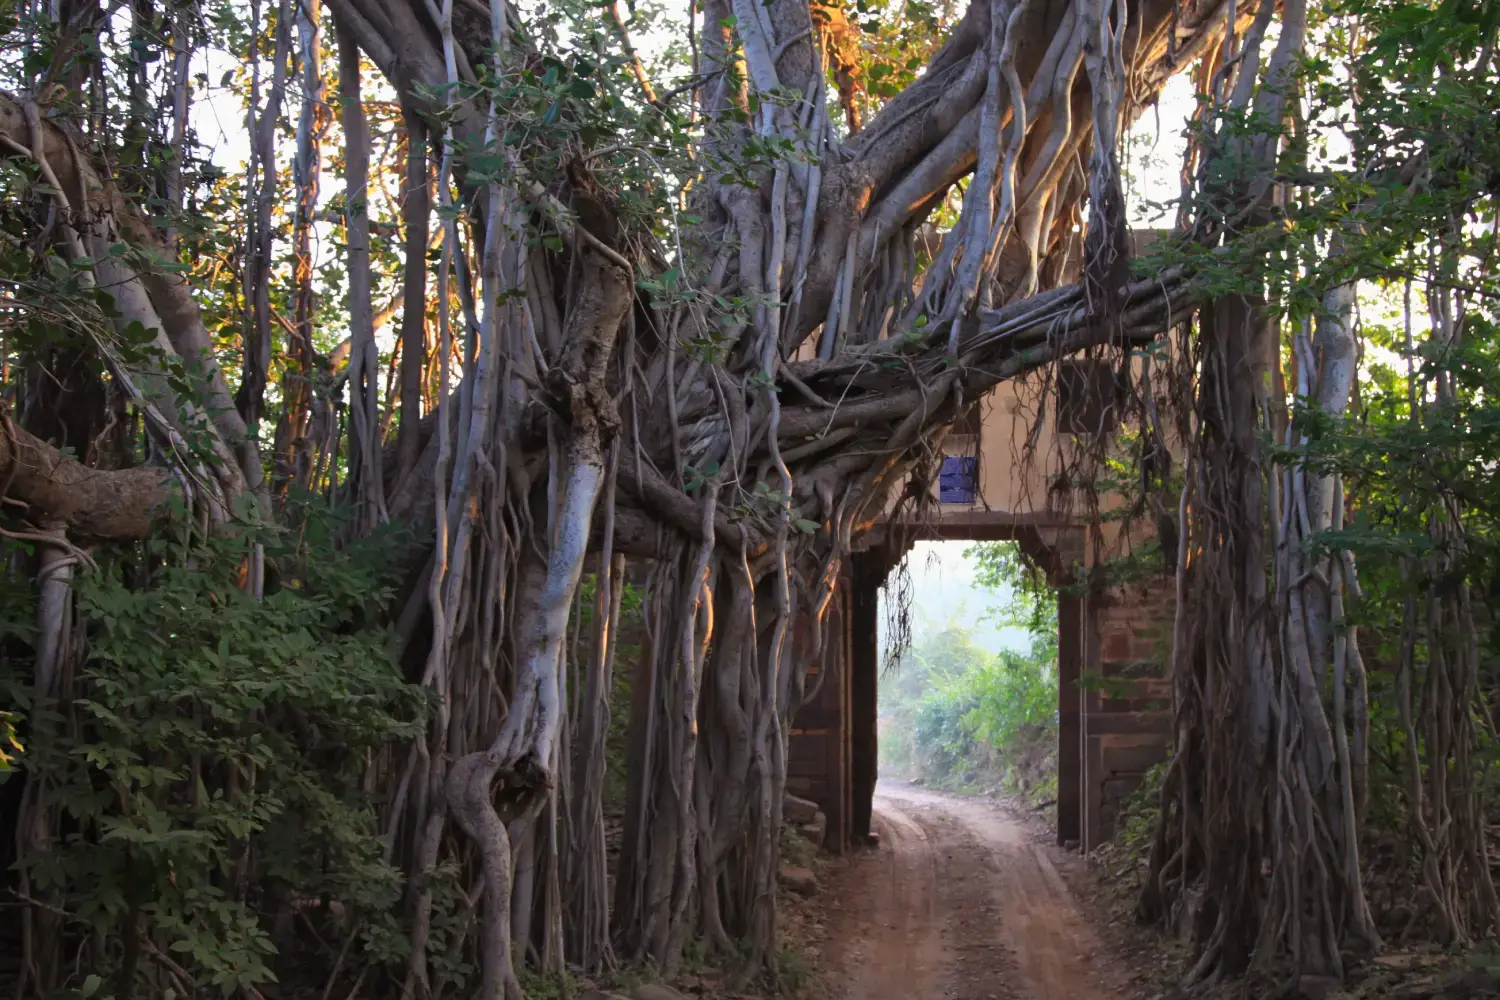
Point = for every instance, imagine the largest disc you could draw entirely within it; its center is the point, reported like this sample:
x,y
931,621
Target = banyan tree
x,y
703,332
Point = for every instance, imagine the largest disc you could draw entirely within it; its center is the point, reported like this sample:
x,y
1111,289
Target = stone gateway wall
x,y
1114,695
1126,698
818,744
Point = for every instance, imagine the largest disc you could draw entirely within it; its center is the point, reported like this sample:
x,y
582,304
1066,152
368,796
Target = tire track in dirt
x,y
895,947
959,903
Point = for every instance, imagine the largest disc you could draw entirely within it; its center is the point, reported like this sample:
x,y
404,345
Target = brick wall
x,y
1127,699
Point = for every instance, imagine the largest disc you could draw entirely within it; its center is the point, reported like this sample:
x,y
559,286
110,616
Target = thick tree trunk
x,y
303,414
363,373
416,210
53,488
1257,847
263,179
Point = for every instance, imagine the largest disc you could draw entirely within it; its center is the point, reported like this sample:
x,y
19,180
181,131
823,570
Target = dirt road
x,y
960,903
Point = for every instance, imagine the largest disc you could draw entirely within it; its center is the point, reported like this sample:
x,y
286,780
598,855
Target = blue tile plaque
x,y
959,480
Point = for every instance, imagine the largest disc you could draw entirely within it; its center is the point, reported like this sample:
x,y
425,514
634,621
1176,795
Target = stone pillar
x,y
1071,629
818,748
864,671
1127,716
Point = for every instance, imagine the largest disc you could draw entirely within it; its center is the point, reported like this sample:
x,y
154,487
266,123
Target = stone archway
x,y
1110,731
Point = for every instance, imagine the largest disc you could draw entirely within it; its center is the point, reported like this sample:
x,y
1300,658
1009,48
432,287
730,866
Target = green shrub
x,y
1015,699
203,780
959,714
944,746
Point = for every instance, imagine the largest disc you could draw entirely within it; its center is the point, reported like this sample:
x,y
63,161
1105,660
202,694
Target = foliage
x,y
1356,515
896,38
1407,478
962,715
1033,606
209,768
1015,700
1140,813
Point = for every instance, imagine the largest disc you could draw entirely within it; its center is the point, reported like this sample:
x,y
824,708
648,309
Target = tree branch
x,y
54,489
